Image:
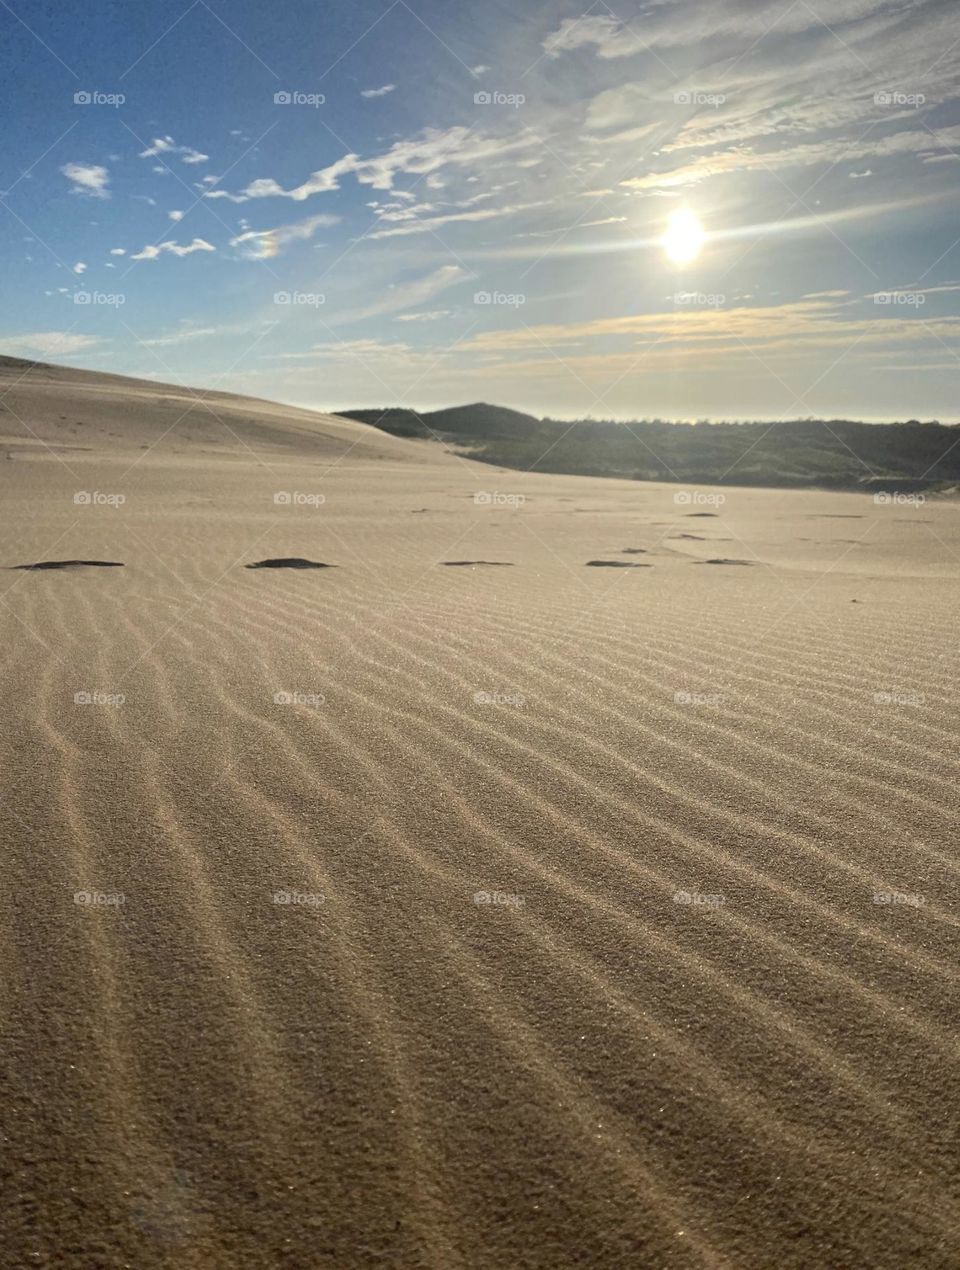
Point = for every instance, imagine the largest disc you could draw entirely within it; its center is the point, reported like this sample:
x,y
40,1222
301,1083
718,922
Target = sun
x,y
683,237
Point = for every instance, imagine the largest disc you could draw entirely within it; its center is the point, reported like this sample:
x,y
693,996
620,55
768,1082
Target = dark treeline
x,y
836,453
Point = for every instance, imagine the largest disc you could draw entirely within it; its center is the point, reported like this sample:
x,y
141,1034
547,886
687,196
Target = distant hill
x,y
833,453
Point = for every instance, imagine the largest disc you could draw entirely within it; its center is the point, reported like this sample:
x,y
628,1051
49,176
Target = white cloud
x,y
181,337
87,179
167,145
606,33
48,343
407,295
264,244
826,150
431,315
479,70
80,267
434,148
378,92
118,251
427,225
176,215
153,250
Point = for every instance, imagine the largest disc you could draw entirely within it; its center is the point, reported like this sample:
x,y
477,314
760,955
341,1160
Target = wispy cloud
x,y
433,149
167,145
153,250
378,92
264,244
88,179
406,296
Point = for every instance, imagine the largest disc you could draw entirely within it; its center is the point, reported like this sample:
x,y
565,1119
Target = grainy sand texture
x,y
397,914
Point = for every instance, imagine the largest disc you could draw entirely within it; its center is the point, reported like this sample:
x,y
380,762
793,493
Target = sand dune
x,y
400,914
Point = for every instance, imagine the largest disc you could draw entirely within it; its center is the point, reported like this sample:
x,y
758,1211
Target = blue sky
x,y
382,203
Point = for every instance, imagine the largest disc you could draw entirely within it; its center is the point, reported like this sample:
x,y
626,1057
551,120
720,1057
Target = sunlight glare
x,y
683,237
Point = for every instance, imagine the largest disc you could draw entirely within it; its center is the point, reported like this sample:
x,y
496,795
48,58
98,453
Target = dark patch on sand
x,y
290,562
72,564
617,564
722,560
456,564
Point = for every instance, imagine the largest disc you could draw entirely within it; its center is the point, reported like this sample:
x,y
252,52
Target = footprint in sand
x,y
72,564
290,562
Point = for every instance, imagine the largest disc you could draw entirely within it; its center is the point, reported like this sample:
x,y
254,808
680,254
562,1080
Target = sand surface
x,y
518,914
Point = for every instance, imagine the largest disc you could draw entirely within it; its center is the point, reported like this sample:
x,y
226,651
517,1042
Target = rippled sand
x,y
407,915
